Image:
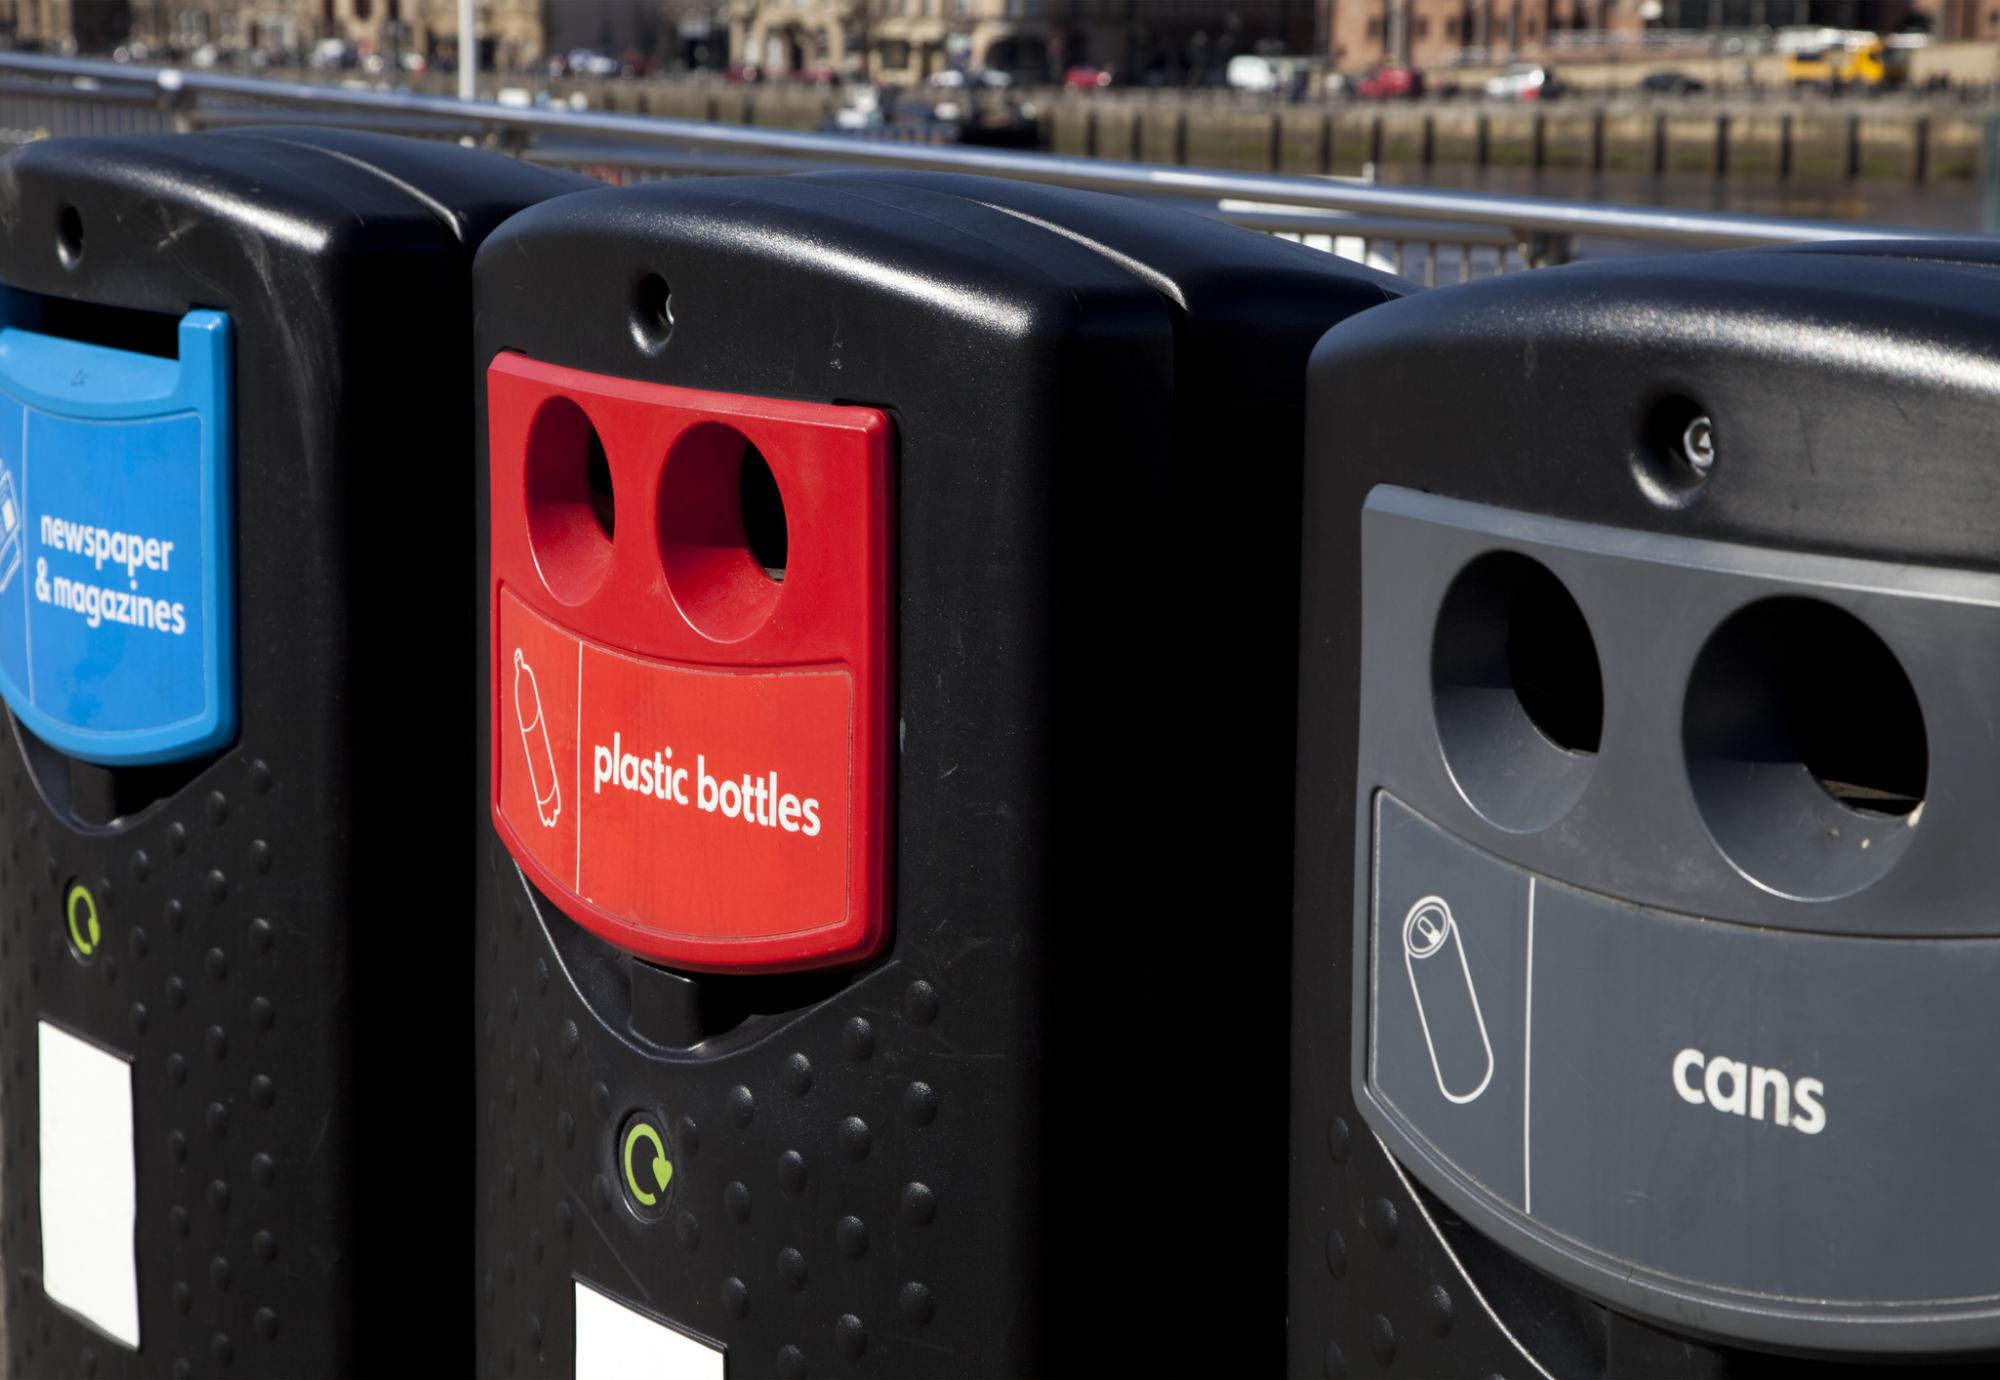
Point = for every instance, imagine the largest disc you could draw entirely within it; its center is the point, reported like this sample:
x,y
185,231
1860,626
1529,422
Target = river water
x,y
1878,203
1953,204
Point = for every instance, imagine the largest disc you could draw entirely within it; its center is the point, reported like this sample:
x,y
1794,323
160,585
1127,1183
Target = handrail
x,y
1526,216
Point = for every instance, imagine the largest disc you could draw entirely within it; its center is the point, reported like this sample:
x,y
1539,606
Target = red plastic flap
x,y
690,755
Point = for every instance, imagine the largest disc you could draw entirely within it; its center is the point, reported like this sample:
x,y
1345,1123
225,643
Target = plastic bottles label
x,y
690,802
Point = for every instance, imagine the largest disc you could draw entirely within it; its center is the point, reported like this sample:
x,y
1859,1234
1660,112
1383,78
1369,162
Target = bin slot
x,y
129,329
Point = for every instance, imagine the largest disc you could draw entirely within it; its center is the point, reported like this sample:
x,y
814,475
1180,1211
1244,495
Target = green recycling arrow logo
x,y
81,910
663,1169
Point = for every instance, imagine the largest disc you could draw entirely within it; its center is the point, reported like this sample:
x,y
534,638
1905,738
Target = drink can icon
x,y
1447,1001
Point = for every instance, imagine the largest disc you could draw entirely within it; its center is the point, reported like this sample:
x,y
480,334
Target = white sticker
x,y
614,1342
90,1188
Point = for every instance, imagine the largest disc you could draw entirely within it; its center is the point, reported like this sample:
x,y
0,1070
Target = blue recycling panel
x,y
117,615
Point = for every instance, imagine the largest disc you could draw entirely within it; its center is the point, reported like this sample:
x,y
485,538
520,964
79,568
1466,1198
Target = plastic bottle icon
x,y
535,742
1447,1002
10,529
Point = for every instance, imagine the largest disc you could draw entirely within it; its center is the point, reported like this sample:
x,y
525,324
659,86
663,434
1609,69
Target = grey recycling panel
x,y
1706,1104
1732,1110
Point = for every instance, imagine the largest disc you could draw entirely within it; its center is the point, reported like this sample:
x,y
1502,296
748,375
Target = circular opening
x,y
1806,748
1675,450
572,509
763,509
652,312
1552,663
597,477
723,535
1517,691
69,236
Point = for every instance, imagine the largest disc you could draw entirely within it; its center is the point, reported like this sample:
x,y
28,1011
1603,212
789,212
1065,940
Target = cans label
x,y
1685,1102
682,802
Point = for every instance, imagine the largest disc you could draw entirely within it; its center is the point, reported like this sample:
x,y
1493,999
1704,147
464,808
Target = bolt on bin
x,y
230,369
887,977
1643,914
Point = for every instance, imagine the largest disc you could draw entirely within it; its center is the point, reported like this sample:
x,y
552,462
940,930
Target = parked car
x,y
331,54
586,62
1524,81
1861,61
1671,83
1251,72
959,79
1389,82
1087,78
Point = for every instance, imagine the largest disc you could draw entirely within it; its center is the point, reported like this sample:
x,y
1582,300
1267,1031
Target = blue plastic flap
x,y
117,616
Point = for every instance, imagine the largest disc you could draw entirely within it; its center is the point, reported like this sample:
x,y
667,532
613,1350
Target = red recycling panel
x,y
689,748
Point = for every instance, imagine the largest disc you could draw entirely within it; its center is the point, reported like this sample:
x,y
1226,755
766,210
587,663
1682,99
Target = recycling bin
x,y
233,413
1645,921
890,681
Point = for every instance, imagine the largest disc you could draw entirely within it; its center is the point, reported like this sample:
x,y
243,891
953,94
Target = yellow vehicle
x,y
1863,61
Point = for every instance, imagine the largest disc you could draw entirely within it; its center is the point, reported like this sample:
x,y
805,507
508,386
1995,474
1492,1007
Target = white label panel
x,y
89,1185
614,1342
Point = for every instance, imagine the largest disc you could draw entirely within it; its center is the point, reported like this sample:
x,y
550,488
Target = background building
x,y
1153,42
780,37
1430,33
65,25
511,32
908,41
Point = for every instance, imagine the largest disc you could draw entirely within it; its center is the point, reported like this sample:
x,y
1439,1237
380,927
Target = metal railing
x,y
1457,235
